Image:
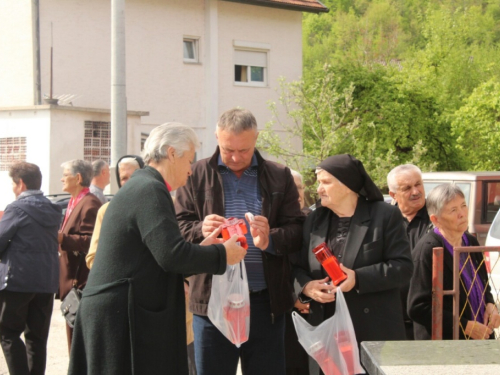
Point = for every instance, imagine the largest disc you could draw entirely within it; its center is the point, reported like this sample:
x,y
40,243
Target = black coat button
x,y
366,310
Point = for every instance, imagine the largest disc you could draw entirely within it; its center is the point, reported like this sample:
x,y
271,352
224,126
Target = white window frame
x,y
245,46
196,49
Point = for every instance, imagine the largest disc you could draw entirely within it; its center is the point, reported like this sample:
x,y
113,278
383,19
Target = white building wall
x,y
281,30
158,80
16,53
54,134
35,126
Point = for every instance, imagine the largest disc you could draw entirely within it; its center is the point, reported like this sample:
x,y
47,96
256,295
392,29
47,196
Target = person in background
x,y
131,317
478,313
406,187
100,180
297,359
29,271
234,181
77,228
125,167
368,238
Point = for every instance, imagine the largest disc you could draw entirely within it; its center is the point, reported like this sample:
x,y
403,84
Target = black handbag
x,y
69,306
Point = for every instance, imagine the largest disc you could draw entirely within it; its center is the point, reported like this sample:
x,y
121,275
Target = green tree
x,y
315,115
477,127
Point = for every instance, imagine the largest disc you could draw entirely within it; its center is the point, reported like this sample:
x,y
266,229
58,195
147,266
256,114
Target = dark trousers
x,y
29,313
262,354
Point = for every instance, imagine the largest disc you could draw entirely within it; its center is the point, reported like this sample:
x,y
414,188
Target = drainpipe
x,y
118,78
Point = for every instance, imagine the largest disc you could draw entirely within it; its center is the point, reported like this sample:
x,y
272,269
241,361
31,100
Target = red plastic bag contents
x,y
229,304
234,226
329,263
332,344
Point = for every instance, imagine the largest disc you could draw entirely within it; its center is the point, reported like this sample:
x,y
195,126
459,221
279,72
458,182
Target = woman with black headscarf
x,y
367,237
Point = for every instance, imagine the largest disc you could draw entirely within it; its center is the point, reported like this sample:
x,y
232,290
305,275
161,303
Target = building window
x,y
191,50
250,67
144,136
97,141
12,149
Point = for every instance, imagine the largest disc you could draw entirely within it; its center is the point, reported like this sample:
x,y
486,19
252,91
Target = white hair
x,y
440,196
399,170
83,167
171,134
129,161
296,174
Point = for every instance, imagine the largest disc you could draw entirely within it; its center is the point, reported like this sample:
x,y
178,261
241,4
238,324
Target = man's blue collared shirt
x,y
242,195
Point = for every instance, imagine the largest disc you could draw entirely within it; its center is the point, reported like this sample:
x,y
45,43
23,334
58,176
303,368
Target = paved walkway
x,y
57,350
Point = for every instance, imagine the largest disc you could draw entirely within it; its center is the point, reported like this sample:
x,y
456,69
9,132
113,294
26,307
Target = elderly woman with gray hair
x,y
131,318
479,315
76,229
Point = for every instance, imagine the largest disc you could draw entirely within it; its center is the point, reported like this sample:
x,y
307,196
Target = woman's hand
x,y
477,331
302,307
350,282
491,316
318,291
212,238
234,252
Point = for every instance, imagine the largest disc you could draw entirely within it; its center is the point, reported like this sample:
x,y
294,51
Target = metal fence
x,y
463,264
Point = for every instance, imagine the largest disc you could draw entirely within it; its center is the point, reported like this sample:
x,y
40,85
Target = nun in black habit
x,y
368,238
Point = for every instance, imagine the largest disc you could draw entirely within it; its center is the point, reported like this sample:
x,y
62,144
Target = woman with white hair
x,y
131,318
76,229
479,315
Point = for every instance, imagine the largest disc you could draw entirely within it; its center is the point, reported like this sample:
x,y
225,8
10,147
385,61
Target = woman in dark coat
x,y
479,315
76,229
131,318
368,238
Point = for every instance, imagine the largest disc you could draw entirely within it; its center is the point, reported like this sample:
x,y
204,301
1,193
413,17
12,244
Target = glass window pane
x,y
189,49
492,200
240,73
256,74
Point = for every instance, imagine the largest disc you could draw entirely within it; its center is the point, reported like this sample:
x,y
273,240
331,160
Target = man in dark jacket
x,y
234,181
406,187
29,271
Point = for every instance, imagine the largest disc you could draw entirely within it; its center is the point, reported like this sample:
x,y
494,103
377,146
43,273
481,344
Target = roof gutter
x,y
273,4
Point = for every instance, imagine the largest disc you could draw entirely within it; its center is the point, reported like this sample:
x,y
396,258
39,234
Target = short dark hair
x,y
28,172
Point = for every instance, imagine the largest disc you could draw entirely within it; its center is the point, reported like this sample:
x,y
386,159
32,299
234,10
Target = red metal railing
x,y
437,287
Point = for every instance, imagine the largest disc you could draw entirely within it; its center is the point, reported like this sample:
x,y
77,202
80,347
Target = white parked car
x,y
493,239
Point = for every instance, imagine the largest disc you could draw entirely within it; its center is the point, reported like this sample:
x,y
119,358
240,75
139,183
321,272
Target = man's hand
x,y
212,239
318,291
477,331
302,307
211,223
259,229
234,252
491,316
59,237
350,282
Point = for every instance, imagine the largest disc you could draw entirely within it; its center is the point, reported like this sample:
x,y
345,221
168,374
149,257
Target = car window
x,y
465,187
491,199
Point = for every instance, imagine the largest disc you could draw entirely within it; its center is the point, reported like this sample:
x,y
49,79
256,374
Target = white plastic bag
x,y
333,343
229,304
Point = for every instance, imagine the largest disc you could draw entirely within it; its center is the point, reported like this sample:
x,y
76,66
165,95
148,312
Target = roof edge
x,y
270,4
